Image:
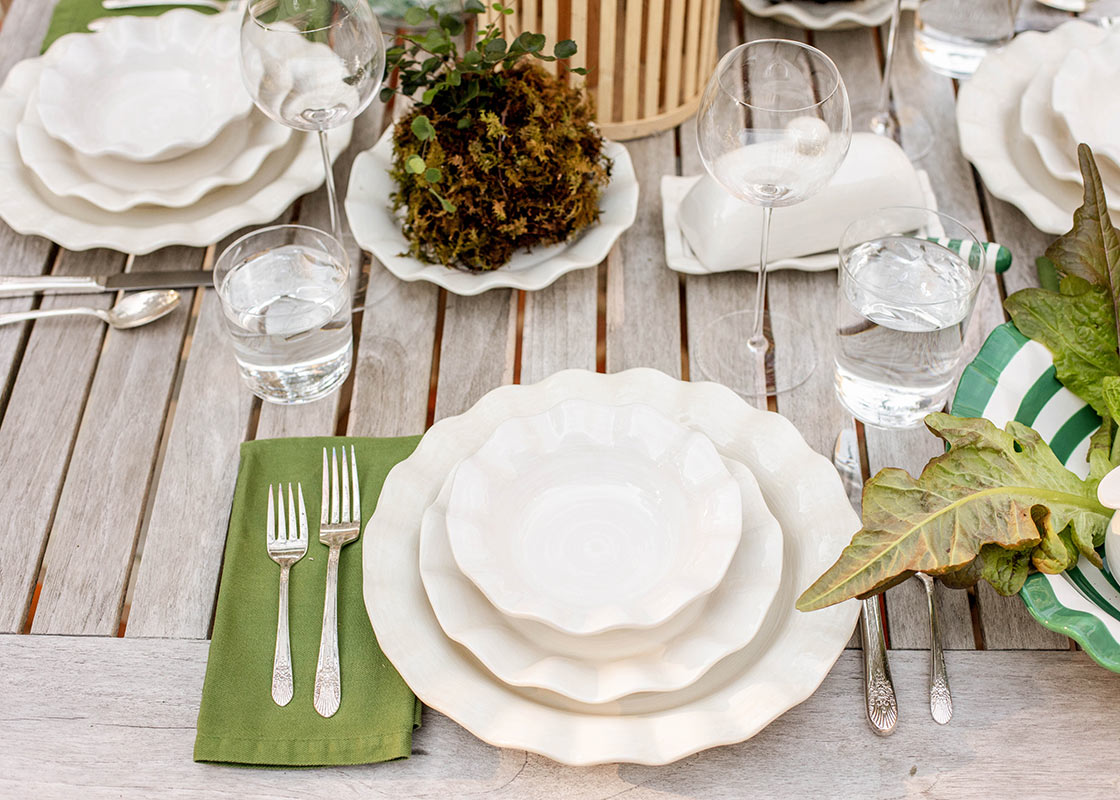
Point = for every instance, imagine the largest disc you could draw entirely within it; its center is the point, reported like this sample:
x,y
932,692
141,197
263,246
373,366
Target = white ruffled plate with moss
x,y
377,229
1013,377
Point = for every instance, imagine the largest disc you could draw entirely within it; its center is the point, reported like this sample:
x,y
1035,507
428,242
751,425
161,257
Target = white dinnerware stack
x,y
1027,108
142,135
604,568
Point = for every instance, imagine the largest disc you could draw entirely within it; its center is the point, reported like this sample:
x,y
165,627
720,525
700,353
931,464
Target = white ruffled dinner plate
x,y
591,517
824,16
145,88
988,122
781,666
598,669
30,208
377,229
1086,94
118,184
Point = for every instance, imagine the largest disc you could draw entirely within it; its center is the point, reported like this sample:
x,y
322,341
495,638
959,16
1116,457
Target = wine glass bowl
x,y
773,126
312,65
773,123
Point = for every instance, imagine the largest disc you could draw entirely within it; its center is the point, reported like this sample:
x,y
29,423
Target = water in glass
x,y
286,301
904,306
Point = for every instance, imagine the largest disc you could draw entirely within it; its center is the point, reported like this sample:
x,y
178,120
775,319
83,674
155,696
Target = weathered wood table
x,y
118,453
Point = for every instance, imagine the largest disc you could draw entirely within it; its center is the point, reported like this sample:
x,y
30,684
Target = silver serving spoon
x,y
132,311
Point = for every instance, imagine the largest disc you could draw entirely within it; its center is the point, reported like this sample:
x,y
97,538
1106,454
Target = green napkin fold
x,y
72,16
238,723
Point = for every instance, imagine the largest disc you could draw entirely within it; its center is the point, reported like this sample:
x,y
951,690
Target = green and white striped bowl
x,y
1013,377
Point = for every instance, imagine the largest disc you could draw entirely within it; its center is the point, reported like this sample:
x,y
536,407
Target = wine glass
x,y
773,127
905,124
312,65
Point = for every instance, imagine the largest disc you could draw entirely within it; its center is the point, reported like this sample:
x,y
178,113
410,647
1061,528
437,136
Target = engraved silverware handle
x,y
9,317
117,5
282,689
882,707
328,681
11,285
940,698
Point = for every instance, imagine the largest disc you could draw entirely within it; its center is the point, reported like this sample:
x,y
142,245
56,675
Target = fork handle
x,y
882,707
328,681
940,698
282,690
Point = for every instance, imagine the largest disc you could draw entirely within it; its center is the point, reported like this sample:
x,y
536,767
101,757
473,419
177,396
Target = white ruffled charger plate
x,y
605,667
1086,93
377,229
825,16
988,122
782,665
591,517
118,184
30,208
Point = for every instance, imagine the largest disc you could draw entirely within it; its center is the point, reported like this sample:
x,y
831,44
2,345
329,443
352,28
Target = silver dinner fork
x,y
287,544
341,526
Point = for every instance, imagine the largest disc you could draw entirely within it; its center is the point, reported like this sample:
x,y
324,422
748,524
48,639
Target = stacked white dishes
x,y
1026,109
604,568
142,135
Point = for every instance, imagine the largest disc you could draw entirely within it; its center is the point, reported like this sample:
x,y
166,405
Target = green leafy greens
x,y
999,504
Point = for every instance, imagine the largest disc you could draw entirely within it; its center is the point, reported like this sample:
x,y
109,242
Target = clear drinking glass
x,y
312,65
953,36
908,282
905,124
285,294
773,127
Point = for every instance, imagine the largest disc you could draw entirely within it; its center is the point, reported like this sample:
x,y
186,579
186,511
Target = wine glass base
x,y
722,354
908,126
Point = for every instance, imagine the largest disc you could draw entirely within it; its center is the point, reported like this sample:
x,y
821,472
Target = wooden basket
x,y
647,60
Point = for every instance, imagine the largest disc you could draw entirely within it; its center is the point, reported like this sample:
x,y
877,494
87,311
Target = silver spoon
x,y
132,311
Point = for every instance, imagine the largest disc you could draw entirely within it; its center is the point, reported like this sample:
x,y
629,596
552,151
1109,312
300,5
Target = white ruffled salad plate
x,y
118,184
1086,95
591,517
605,667
782,665
377,229
30,208
145,88
988,122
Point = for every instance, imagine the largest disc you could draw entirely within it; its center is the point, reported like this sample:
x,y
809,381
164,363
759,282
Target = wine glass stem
x,y
332,196
758,342
883,123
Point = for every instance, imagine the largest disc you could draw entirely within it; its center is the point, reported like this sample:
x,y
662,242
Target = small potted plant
x,y
497,155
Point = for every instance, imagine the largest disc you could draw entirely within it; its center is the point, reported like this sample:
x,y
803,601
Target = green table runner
x,y
238,723
72,16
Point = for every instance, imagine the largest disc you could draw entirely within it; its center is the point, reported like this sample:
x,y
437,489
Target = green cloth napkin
x,y
72,16
238,723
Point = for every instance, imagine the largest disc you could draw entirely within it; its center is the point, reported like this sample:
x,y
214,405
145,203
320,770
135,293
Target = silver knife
x,y
15,286
882,706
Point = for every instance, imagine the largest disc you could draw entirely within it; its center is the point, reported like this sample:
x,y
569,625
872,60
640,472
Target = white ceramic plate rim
x,y
822,16
727,620
1103,54
62,174
739,696
988,126
477,546
377,230
29,208
175,32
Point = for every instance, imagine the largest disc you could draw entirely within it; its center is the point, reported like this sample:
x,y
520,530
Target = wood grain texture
x,y
558,331
110,468
52,385
476,354
643,295
115,718
175,585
